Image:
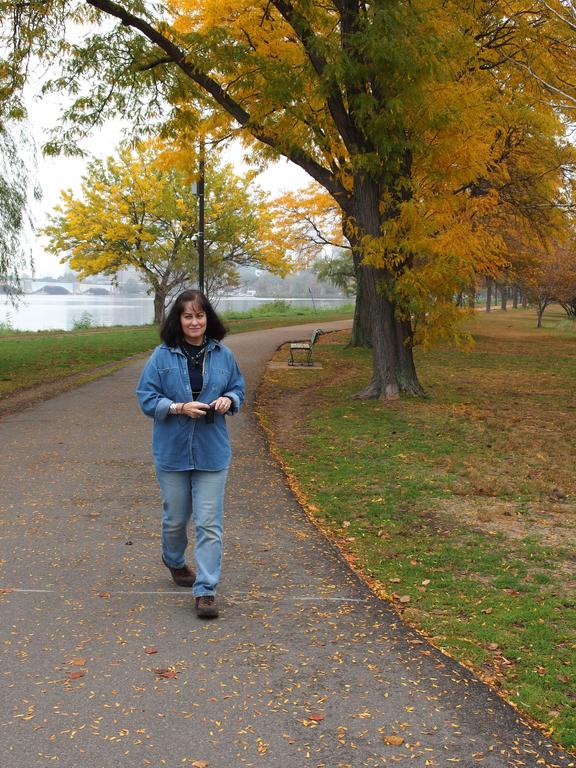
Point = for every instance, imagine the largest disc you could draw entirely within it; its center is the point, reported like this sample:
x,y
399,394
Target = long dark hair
x,y
171,329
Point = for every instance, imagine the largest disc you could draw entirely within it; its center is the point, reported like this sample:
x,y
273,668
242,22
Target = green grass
x,y
276,314
447,501
31,358
27,359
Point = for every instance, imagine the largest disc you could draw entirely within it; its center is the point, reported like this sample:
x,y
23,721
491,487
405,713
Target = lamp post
x,y
201,218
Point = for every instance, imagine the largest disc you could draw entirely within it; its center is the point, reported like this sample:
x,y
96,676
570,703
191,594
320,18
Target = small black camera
x,y
210,415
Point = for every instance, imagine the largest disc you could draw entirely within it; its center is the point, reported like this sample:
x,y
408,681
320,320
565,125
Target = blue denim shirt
x,y
179,442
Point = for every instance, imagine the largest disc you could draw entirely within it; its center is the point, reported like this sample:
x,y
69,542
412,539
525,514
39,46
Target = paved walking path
x,y
305,667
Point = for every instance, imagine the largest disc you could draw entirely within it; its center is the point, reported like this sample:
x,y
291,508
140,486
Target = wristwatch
x,y
173,409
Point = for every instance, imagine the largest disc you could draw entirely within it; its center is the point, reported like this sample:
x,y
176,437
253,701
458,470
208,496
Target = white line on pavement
x,y
166,593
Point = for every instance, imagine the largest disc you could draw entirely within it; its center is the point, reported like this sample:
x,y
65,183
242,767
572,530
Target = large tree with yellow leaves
x,y
136,209
408,114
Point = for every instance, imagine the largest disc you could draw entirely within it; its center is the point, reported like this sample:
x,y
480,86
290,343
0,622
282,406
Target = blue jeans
x,y
199,494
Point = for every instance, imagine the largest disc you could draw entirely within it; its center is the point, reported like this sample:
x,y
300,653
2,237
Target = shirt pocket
x,y
170,382
218,380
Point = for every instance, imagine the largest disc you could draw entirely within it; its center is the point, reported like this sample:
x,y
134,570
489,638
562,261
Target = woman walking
x,y
189,384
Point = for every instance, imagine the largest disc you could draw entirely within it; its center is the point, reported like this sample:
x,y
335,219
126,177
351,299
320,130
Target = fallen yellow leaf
x,y
394,741
76,674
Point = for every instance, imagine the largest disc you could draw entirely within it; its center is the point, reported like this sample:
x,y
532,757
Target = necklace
x,y
194,357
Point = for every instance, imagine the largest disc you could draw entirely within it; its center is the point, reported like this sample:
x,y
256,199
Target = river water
x,y
36,312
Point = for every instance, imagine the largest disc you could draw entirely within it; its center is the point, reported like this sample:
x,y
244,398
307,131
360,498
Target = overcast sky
x,y
57,173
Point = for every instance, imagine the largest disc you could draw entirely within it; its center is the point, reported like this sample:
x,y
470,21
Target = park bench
x,y
304,346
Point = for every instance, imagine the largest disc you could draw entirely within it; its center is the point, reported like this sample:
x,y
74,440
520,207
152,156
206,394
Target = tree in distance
x,y
337,269
411,117
137,209
16,193
552,278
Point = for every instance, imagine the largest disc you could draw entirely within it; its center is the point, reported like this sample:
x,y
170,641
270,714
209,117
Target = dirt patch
x,y
549,524
288,429
285,401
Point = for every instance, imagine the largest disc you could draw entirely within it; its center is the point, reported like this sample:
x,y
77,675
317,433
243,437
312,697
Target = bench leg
x,y
307,361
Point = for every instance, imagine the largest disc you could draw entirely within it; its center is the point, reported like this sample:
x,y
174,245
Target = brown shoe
x,y
184,577
206,607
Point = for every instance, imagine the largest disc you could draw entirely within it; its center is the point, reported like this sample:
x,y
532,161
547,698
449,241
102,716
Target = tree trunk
x,y
407,377
393,366
488,294
504,298
385,382
569,307
361,330
361,335
159,304
515,294
541,306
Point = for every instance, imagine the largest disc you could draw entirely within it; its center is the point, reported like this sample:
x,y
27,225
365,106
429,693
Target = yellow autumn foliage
x,y
138,209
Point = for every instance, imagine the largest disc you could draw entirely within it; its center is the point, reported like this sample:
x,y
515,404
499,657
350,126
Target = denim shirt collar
x,y
212,344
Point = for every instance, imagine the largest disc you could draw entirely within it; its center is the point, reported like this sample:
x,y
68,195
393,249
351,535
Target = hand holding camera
x,y
194,409
221,405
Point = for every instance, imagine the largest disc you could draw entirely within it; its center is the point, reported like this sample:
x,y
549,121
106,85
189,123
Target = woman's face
x,y
193,322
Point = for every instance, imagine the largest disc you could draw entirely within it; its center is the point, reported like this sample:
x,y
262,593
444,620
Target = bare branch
x,y
157,63
569,22
545,83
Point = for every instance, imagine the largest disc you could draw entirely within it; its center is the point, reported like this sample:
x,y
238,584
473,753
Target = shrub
x,y
84,321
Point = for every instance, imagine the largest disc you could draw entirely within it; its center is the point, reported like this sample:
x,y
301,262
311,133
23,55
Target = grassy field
x,y
29,359
460,509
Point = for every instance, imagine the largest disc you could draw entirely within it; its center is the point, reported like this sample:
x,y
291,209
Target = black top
x,y
195,358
